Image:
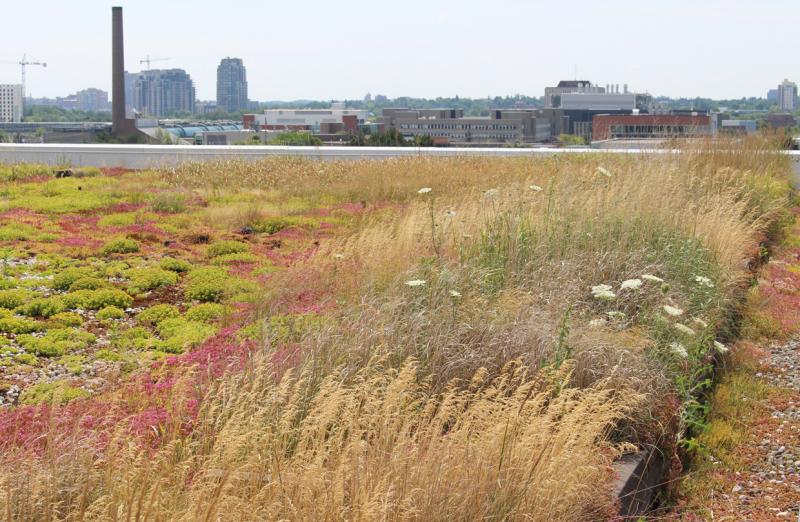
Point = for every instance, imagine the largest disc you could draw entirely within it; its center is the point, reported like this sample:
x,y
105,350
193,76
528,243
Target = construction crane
x,y
148,60
24,63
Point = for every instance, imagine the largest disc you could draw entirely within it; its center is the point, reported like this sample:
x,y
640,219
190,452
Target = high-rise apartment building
x,y
162,92
231,85
10,102
92,100
787,96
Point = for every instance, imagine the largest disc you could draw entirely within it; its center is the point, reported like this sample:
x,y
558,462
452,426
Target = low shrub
x,y
97,299
11,299
137,338
64,319
221,248
110,312
120,246
51,392
238,257
155,314
56,342
180,334
41,307
206,284
206,312
88,283
19,325
65,278
146,279
175,265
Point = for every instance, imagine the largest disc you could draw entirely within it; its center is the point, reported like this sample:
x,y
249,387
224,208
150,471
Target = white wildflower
x,y
455,293
721,348
616,315
424,190
535,188
491,193
699,322
416,282
604,171
672,310
652,279
684,329
603,292
679,350
704,281
631,284
597,323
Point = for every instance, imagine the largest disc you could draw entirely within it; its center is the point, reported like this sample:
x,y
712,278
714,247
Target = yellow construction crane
x,y
148,60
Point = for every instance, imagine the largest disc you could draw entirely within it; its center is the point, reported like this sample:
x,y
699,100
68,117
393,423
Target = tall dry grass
x,y
484,393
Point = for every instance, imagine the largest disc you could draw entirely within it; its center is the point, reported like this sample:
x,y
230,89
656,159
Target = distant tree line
x,y
36,113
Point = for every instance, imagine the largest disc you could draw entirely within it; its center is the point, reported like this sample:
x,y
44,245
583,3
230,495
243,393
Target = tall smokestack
x,y
117,71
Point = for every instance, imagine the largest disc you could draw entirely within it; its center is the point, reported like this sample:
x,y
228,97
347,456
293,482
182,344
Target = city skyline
x,y
678,49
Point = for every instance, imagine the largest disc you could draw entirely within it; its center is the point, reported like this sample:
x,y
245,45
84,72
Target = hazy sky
x,y
320,49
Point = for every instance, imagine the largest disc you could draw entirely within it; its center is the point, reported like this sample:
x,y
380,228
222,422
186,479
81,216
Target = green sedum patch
x,y
56,342
146,279
52,393
120,246
222,248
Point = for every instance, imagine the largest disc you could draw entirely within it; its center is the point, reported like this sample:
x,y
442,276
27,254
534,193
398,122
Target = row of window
x,y
459,126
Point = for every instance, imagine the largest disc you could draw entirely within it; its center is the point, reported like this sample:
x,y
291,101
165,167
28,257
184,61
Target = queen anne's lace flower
x,y
603,292
684,329
721,348
704,281
424,190
674,311
631,284
679,350
416,282
652,279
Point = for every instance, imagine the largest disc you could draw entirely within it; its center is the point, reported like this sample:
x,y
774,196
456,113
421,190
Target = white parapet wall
x,y
150,156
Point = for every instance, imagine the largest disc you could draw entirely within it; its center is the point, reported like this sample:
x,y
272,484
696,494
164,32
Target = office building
x,y
450,125
11,105
552,95
639,126
737,127
787,96
772,95
163,92
231,85
304,119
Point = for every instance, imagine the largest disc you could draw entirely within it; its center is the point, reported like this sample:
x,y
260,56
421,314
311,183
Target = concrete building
x,y
787,96
163,92
638,126
232,85
552,94
737,126
92,100
450,125
11,103
598,101
304,119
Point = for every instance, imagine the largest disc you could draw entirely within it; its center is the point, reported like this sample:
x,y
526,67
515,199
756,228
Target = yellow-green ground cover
x,y
435,339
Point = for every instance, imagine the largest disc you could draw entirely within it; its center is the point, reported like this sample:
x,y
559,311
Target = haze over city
x,y
324,50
